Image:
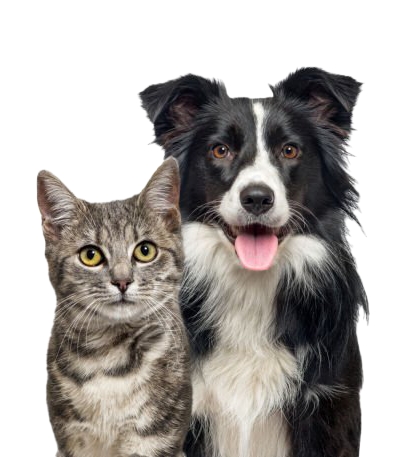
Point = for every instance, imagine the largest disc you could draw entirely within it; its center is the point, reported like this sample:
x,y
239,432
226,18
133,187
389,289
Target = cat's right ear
x,y
173,106
57,204
161,194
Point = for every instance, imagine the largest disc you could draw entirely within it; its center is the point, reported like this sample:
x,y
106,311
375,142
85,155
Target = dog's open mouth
x,y
255,245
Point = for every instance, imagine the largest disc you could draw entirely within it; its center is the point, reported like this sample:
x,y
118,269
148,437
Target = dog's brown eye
x,y
289,151
220,151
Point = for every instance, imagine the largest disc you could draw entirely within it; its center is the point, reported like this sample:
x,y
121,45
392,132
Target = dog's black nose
x,y
257,199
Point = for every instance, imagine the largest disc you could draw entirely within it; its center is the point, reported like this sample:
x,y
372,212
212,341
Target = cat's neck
x,y
92,332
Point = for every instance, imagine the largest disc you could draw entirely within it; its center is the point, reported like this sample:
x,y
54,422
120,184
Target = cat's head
x,y
120,260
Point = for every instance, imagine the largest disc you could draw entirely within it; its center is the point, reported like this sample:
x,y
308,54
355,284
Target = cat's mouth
x,y
125,300
122,310
121,300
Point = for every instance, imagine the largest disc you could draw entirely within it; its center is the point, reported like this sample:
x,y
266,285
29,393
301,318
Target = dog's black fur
x,y
313,109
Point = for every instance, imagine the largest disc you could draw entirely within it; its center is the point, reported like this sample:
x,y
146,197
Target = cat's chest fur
x,y
112,387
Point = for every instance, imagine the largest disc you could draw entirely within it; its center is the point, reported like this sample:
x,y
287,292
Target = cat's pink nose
x,y
122,284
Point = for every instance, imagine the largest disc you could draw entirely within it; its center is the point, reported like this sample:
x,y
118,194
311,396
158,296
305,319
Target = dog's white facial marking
x,y
240,388
262,171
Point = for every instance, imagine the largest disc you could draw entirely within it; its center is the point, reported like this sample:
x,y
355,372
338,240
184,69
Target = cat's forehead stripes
x,y
115,222
119,231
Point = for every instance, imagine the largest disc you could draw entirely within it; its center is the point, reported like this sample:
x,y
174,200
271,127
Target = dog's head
x,y
259,169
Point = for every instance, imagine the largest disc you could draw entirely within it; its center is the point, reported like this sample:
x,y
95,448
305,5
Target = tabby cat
x,y
118,360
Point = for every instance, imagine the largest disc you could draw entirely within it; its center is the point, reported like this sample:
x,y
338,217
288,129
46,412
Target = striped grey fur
x,y
118,371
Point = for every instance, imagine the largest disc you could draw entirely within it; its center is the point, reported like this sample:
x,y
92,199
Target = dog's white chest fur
x,y
239,389
240,395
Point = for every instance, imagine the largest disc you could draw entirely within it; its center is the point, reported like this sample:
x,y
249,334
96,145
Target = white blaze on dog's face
x,y
257,197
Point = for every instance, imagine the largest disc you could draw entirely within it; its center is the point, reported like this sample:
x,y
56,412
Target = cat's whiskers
x,y
166,295
178,322
70,296
90,307
93,314
74,300
176,318
174,334
77,329
72,327
65,316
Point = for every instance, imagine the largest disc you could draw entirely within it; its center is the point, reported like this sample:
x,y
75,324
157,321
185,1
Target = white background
x,y
70,75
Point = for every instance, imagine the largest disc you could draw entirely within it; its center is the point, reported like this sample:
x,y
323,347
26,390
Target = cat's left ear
x,y
161,193
59,207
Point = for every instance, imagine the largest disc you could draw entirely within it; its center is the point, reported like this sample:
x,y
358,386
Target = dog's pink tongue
x,y
256,252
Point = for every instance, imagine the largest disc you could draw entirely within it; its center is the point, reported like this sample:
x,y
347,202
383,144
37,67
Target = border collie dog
x,y
271,294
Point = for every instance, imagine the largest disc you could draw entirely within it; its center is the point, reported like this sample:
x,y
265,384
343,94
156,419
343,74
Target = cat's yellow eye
x,y
145,252
91,256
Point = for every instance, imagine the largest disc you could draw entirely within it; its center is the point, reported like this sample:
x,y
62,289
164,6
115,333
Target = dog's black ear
x,y
331,97
172,106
